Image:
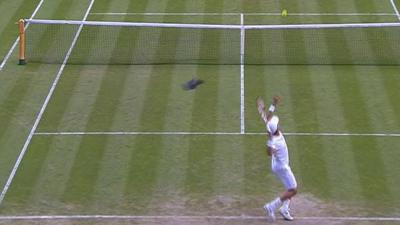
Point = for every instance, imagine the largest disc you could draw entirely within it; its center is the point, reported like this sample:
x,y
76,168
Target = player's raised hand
x,y
276,99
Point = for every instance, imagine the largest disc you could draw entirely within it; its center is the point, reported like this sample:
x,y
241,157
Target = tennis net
x,y
47,41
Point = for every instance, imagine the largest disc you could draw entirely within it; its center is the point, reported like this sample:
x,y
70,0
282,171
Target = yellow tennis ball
x,y
284,12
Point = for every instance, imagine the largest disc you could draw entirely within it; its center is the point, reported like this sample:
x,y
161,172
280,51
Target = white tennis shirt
x,y
280,157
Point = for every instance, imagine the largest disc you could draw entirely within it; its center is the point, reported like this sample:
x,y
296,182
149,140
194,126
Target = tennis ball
x,y
284,12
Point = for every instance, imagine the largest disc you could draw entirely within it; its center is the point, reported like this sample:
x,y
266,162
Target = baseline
x,y
120,133
177,217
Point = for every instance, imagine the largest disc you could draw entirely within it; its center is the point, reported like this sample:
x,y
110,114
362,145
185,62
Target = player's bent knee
x,y
293,191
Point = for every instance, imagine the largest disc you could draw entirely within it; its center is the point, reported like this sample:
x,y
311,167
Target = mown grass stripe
x,y
84,172
382,115
47,193
200,160
341,171
112,172
82,184
29,175
391,168
174,154
10,9
229,166
169,186
169,191
303,97
13,101
375,94
356,116
391,82
373,184
145,158
77,94
258,179
343,184
201,164
314,176
331,118
58,109
131,104
142,174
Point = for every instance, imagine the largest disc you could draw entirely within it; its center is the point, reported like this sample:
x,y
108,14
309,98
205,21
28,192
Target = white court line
x,y
17,40
177,217
238,13
132,133
43,108
395,9
242,44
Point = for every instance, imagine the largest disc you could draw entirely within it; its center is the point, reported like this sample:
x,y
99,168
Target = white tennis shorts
x,y
285,174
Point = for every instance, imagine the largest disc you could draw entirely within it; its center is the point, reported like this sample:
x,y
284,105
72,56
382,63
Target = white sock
x,y
286,204
275,203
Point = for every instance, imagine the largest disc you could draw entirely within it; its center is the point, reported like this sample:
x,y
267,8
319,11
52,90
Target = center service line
x,y
242,45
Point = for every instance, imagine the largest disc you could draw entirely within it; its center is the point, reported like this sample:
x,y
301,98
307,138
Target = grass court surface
x,y
128,140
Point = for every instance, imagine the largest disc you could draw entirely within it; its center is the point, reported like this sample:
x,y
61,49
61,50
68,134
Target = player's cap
x,y
272,124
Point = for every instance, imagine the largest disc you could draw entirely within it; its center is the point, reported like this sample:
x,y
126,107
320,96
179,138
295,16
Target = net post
x,y
21,26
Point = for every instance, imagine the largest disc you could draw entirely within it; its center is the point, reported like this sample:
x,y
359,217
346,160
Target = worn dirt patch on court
x,y
224,210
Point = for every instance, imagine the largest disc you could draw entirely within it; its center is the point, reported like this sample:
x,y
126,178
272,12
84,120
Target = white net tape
x,y
171,43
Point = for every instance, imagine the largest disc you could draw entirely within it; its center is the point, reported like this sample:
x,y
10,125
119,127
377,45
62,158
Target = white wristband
x,y
271,108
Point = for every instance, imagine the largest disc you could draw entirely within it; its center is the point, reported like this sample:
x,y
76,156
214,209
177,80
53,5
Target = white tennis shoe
x,y
269,211
286,214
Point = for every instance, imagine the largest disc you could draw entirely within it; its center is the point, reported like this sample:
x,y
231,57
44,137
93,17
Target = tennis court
x,y
89,142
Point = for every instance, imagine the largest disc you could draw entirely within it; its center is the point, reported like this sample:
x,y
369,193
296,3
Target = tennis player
x,y
277,149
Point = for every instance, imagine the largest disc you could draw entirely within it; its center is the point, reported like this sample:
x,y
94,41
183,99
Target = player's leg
x,y
271,207
284,174
289,181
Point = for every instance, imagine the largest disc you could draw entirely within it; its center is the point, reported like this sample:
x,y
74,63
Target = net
x,y
47,41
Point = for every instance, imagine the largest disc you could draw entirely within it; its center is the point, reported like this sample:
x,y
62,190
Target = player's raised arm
x,y
267,115
261,109
272,107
